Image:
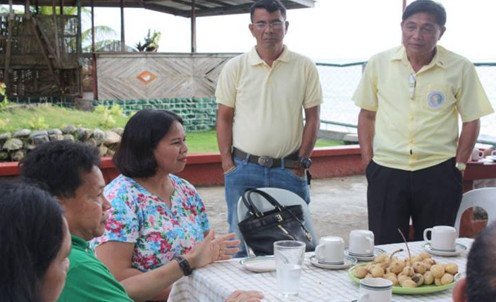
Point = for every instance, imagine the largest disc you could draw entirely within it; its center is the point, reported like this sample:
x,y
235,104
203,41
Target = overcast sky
x,y
332,30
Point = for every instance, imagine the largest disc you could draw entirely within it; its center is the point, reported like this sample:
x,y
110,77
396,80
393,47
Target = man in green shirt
x,y
69,171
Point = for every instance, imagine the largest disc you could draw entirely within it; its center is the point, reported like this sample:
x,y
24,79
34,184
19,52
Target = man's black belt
x,y
290,161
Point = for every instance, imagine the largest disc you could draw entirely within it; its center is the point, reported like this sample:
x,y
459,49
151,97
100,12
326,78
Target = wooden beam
x,y
204,8
55,30
37,33
190,3
79,47
226,10
94,76
79,29
10,21
166,9
302,3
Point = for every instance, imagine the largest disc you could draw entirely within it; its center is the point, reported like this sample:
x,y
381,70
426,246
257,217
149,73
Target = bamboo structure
x,y
40,55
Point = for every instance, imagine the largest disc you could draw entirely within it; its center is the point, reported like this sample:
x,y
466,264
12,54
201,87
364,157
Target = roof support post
x,y
79,45
10,26
193,27
94,82
123,39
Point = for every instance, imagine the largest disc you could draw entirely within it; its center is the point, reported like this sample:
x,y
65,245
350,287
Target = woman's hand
x,y
212,249
245,296
228,246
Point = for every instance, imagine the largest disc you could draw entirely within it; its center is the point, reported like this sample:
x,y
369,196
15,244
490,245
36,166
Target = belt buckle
x,y
265,161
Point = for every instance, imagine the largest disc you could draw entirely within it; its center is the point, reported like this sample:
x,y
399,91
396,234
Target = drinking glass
x,y
289,259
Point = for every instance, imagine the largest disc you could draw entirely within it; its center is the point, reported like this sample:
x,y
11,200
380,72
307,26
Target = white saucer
x,y
459,249
491,157
261,264
348,261
377,252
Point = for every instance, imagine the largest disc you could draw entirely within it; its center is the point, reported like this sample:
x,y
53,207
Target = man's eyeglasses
x,y
274,25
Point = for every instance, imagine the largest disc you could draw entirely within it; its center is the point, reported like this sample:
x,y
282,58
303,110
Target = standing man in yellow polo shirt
x,y
411,98
263,139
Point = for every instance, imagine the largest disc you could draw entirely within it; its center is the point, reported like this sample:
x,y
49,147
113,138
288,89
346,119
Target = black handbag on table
x,y
261,229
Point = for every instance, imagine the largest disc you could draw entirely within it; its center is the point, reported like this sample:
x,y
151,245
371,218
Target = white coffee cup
x,y
375,290
443,238
361,243
477,154
330,250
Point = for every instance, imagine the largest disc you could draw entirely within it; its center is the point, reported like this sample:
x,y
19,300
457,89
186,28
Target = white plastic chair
x,y
284,197
484,198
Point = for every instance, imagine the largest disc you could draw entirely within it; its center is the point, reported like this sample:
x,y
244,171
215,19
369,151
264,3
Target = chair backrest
x,y
284,197
484,198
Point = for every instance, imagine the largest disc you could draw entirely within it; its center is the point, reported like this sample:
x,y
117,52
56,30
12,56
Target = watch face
x,y
306,162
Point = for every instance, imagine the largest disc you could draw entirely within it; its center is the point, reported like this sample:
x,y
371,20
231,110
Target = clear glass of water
x,y
289,257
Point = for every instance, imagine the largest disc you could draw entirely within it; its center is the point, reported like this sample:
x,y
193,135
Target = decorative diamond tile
x,y
146,77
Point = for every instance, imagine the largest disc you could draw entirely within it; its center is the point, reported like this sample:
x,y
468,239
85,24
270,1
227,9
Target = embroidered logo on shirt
x,y
436,99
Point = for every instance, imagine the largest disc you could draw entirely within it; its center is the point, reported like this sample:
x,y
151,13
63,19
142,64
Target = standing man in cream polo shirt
x,y
263,139
411,98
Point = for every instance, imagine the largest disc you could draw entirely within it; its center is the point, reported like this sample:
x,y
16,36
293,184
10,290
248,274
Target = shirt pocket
x,y
438,98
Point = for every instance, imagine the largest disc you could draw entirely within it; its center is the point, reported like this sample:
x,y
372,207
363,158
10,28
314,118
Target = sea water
x,y
288,279
339,84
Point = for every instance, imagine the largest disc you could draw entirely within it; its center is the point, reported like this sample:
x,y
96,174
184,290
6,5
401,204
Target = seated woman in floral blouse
x,y
155,215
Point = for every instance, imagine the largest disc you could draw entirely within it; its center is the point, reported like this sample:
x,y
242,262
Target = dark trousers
x,y
429,197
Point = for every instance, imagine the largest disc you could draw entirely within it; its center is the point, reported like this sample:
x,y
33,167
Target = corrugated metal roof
x,y
174,7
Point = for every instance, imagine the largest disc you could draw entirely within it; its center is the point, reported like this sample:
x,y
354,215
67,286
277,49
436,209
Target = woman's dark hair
x,y
57,166
134,156
32,232
426,6
270,6
481,269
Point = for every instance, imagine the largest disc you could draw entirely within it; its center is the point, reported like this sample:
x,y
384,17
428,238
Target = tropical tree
x,y
105,36
151,42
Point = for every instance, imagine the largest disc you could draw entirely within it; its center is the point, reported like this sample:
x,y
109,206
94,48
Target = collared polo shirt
x,y
88,279
269,101
417,114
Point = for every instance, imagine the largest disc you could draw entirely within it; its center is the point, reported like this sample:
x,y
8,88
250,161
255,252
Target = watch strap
x,y
184,265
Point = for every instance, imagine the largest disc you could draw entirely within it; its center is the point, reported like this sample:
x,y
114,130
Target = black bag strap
x,y
255,211
265,195
249,204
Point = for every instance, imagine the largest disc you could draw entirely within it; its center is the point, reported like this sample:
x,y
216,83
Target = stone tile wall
x,y
199,114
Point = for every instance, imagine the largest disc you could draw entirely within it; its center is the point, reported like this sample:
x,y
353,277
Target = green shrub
x,y
37,123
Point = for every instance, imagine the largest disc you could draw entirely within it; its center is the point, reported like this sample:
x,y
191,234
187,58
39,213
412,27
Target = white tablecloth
x,y
218,280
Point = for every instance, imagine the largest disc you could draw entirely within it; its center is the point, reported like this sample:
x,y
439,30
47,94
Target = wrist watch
x,y
184,265
306,162
460,166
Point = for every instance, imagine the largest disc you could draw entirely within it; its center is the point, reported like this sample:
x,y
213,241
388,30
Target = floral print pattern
x,y
158,233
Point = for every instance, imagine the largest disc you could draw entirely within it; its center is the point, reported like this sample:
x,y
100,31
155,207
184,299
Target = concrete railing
x,y
205,169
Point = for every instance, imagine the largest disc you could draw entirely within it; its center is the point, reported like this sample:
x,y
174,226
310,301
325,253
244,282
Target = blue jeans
x,y
250,175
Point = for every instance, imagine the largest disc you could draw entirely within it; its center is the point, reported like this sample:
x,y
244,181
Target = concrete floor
x,y
338,205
